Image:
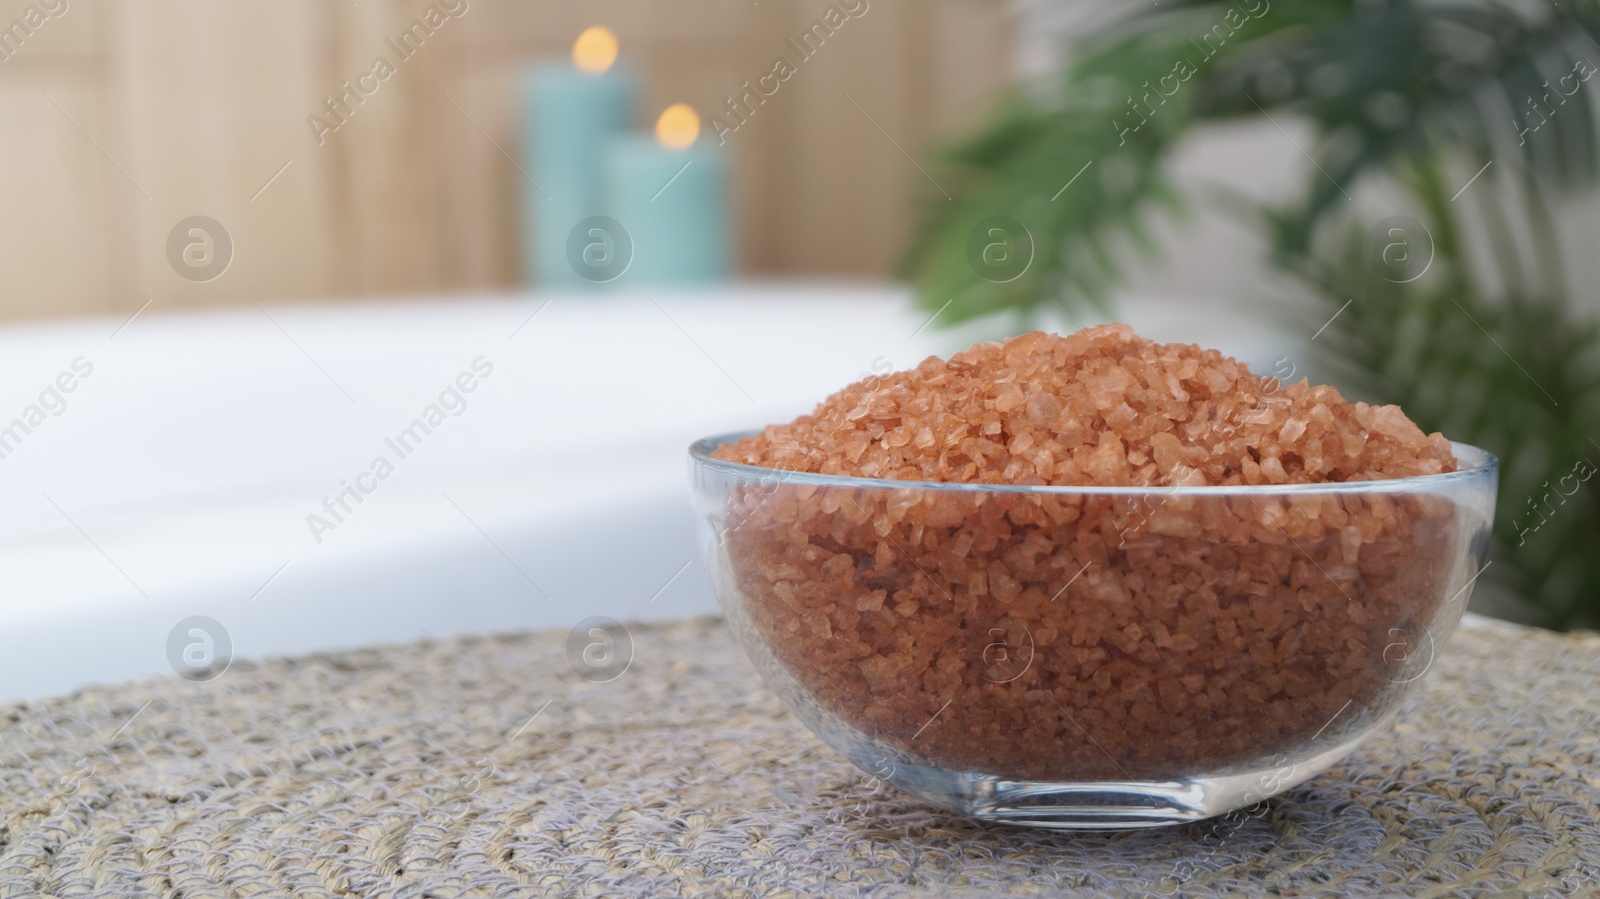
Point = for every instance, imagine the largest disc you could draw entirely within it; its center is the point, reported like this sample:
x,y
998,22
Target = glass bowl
x,y
1091,657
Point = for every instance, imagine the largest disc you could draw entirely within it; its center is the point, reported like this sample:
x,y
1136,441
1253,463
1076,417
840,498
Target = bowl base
x,y
1109,805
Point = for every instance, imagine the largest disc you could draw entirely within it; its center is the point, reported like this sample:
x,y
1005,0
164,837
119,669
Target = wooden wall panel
x,y
479,182
191,106
853,210
54,184
389,151
206,101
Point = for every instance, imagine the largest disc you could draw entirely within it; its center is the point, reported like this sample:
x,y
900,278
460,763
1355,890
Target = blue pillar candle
x,y
672,200
570,113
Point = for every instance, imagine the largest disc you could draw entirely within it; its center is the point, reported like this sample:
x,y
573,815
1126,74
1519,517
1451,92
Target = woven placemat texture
x,y
487,767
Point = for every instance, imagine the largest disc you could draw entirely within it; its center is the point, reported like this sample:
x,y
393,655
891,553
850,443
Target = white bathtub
x,y
177,477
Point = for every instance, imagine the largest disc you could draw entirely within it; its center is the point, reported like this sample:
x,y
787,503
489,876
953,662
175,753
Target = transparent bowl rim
x,y
1478,464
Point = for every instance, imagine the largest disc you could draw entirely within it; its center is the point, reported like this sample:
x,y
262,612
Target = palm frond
x,y
1517,376
1487,350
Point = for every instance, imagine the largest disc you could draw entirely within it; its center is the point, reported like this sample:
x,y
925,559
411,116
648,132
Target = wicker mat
x,y
487,767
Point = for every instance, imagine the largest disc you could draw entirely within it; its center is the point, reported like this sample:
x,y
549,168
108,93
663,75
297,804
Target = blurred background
x,y
363,244
122,119
261,239
125,118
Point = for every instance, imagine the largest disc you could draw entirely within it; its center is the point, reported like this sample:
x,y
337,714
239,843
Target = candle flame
x,y
678,126
595,50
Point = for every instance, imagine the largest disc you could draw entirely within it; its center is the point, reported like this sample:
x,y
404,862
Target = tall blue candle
x,y
670,193
570,114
